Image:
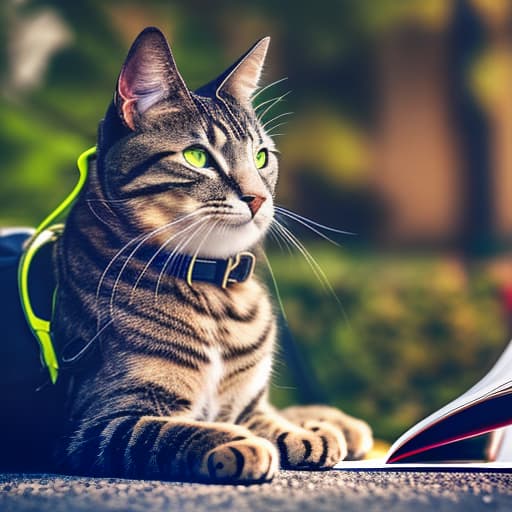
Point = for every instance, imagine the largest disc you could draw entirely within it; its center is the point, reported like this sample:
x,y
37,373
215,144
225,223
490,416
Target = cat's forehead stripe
x,y
222,116
219,136
205,110
219,124
218,129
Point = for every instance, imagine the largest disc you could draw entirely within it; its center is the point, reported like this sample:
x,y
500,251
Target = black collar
x,y
236,269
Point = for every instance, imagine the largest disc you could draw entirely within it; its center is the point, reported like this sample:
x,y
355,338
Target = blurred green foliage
x,y
412,332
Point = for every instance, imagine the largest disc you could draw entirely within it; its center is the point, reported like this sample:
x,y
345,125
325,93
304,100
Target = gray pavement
x,y
290,490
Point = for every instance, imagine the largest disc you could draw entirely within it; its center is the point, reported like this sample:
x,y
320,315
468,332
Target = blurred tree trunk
x,y
493,85
467,40
417,165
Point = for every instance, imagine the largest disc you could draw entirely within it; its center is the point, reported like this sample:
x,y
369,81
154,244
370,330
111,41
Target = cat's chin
x,y
229,240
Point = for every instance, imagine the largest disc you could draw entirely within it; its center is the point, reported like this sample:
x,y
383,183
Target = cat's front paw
x,y
315,446
359,438
357,433
244,461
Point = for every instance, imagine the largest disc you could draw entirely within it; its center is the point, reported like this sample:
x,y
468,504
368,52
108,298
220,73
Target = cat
x,y
178,386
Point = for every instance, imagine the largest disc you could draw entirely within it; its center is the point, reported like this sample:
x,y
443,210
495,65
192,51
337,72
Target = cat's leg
x,y
170,448
312,445
358,433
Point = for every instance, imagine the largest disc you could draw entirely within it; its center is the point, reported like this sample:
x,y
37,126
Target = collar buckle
x,y
243,263
235,269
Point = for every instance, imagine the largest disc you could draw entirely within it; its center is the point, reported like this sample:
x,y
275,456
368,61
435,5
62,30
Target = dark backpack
x,y
31,407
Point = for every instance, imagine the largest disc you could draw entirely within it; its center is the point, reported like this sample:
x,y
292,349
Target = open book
x,y
438,440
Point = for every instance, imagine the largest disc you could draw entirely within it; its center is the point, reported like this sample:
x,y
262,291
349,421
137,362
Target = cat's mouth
x,y
227,237
238,215
258,221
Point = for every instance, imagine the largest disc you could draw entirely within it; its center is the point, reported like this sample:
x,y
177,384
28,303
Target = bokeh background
x,y
402,134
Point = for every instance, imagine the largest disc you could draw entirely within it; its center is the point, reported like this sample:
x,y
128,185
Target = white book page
x,y
380,465
497,379
504,451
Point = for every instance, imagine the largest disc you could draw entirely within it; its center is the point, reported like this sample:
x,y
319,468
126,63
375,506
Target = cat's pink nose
x,y
254,202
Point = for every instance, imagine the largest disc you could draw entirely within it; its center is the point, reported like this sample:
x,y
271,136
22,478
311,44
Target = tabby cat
x,y
178,389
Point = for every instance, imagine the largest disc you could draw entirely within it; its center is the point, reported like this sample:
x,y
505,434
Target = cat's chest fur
x,y
239,366
209,401
214,347
239,333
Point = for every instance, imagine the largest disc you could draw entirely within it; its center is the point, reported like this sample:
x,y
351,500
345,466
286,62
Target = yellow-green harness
x,y
47,232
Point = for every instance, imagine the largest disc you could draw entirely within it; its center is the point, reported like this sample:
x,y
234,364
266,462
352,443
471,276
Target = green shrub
x,y
415,331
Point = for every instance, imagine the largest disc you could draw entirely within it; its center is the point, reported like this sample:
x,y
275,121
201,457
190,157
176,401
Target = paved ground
x,y
290,491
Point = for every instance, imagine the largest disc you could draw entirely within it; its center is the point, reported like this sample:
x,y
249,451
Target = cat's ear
x,y
148,76
241,79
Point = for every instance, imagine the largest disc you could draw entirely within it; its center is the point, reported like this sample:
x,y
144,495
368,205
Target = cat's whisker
x,y
159,250
319,233
111,201
107,268
274,238
118,201
272,105
269,131
287,212
186,242
108,203
278,238
263,103
293,240
274,281
205,237
84,349
315,267
327,284
266,123
268,86
174,254
143,237
95,213
266,102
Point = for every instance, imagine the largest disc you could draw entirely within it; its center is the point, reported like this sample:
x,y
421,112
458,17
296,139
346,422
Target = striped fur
x,y
177,385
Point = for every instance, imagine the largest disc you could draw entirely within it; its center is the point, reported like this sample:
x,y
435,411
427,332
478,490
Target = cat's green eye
x,y
196,156
261,158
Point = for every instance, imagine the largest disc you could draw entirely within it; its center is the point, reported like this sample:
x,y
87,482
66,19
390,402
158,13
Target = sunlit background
x,y
401,134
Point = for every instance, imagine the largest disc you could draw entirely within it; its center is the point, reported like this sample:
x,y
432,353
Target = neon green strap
x,y
44,234
39,326
82,169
